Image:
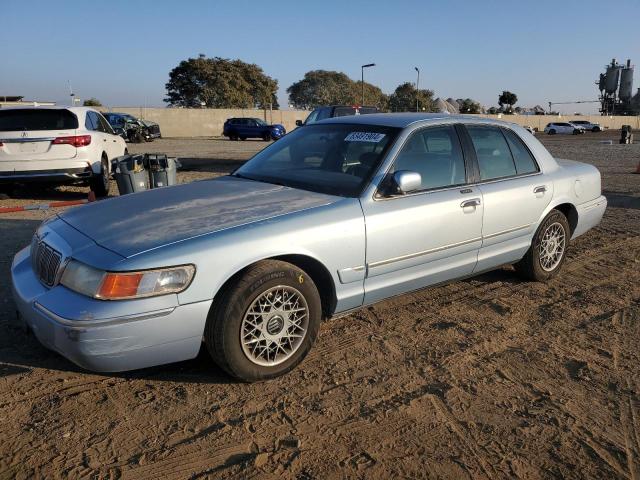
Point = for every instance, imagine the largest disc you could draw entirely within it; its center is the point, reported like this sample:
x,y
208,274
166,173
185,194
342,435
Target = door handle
x,y
474,202
540,189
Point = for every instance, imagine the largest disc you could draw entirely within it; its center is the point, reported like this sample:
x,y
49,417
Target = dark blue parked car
x,y
243,128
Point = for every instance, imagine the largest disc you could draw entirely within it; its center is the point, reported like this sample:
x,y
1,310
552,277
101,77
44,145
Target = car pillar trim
x,y
424,252
101,322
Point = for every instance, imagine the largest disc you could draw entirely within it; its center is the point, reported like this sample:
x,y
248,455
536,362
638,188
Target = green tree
x,y
403,99
92,102
507,100
321,87
469,106
373,96
220,83
493,111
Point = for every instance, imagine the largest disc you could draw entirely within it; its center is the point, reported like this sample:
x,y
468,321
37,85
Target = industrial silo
x,y
626,83
613,77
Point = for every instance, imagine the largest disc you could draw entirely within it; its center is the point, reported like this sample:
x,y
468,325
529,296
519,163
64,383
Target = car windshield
x,y
336,159
260,122
37,119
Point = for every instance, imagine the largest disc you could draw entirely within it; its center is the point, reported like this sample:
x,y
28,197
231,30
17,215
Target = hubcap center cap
x,y
275,325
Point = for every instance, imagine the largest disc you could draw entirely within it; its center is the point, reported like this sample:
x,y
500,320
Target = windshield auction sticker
x,y
371,137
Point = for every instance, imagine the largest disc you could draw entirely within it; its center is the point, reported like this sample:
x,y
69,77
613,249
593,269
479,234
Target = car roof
x,y
52,107
403,120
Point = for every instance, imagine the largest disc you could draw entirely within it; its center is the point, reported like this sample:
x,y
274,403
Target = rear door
x,y
112,144
28,138
514,191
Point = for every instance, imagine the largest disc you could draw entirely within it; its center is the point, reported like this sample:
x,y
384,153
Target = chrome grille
x,y
45,261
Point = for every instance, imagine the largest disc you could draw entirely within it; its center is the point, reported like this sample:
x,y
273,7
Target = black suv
x,y
321,113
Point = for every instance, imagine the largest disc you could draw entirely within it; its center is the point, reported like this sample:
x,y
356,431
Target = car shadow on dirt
x,y
620,200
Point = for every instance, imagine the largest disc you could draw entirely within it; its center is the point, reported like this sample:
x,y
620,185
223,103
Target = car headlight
x,y
96,283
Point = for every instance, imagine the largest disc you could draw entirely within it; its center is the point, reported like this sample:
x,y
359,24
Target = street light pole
x,y
417,88
362,77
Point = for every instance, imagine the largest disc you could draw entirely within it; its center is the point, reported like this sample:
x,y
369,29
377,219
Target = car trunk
x,y
29,134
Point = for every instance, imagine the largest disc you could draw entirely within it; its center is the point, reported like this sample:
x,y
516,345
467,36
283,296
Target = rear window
x,y
344,111
33,119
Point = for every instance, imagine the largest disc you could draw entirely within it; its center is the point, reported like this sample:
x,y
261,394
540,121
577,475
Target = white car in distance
x,y
587,125
57,145
562,128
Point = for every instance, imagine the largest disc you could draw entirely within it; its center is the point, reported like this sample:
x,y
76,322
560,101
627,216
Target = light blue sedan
x,y
337,215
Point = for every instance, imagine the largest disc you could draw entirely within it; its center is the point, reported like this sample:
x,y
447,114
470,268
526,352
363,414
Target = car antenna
x,y
73,97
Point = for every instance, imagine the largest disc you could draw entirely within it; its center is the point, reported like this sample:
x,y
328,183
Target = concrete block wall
x,y
208,122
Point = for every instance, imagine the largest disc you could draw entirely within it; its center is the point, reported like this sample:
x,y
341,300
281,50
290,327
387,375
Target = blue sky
x,y
541,50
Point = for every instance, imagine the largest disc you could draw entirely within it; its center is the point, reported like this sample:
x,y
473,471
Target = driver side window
x,y
435,153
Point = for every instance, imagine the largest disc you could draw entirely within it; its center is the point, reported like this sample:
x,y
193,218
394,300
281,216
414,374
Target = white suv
x,y
58,145
562,127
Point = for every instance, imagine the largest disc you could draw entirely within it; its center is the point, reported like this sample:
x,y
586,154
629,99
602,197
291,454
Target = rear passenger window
x,y
523,159
436,155
89,122
494,156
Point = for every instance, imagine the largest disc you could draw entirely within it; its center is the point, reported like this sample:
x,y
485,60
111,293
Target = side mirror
x,y
298,123
407,181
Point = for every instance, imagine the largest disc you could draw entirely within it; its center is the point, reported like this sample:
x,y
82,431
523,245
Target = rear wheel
x,y
243,138
548,249
265,323
552,132
100,182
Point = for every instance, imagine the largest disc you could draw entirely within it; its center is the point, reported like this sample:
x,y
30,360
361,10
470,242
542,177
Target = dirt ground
x,y
484,378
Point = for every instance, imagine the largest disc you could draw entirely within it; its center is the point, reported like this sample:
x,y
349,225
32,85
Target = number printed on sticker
x,y
372,137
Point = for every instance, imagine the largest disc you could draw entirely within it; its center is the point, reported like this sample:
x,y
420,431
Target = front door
x,y
428,236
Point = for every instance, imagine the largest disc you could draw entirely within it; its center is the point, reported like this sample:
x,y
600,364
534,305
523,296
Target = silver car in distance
x,y
332,217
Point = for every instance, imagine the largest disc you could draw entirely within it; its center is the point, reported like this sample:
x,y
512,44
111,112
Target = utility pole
x,y
362,78
417,89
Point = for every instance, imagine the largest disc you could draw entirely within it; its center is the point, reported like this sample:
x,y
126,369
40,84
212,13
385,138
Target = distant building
x,y
18,101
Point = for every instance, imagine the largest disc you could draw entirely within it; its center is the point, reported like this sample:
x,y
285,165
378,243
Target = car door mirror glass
x,y
407,181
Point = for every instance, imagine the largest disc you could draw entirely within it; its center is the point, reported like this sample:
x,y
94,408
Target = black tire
x,y
576,131
243,138
530,267
224,323
595,129
552,132
266,137
100,182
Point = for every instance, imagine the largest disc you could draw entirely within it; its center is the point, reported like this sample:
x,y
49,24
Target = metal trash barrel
x,y
162,170
130,174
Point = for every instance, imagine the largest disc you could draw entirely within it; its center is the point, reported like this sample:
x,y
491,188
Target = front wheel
x,y
266,137
548,249
265,323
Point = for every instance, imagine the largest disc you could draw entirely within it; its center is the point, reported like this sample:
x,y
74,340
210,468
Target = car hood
x,y
135,223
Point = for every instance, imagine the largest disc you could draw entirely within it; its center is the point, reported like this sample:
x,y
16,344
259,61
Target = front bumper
x,y
589,215
96,340
68,175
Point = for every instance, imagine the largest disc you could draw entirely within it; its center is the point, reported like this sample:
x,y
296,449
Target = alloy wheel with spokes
x,y
548,248
274,325
552,246
265,321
